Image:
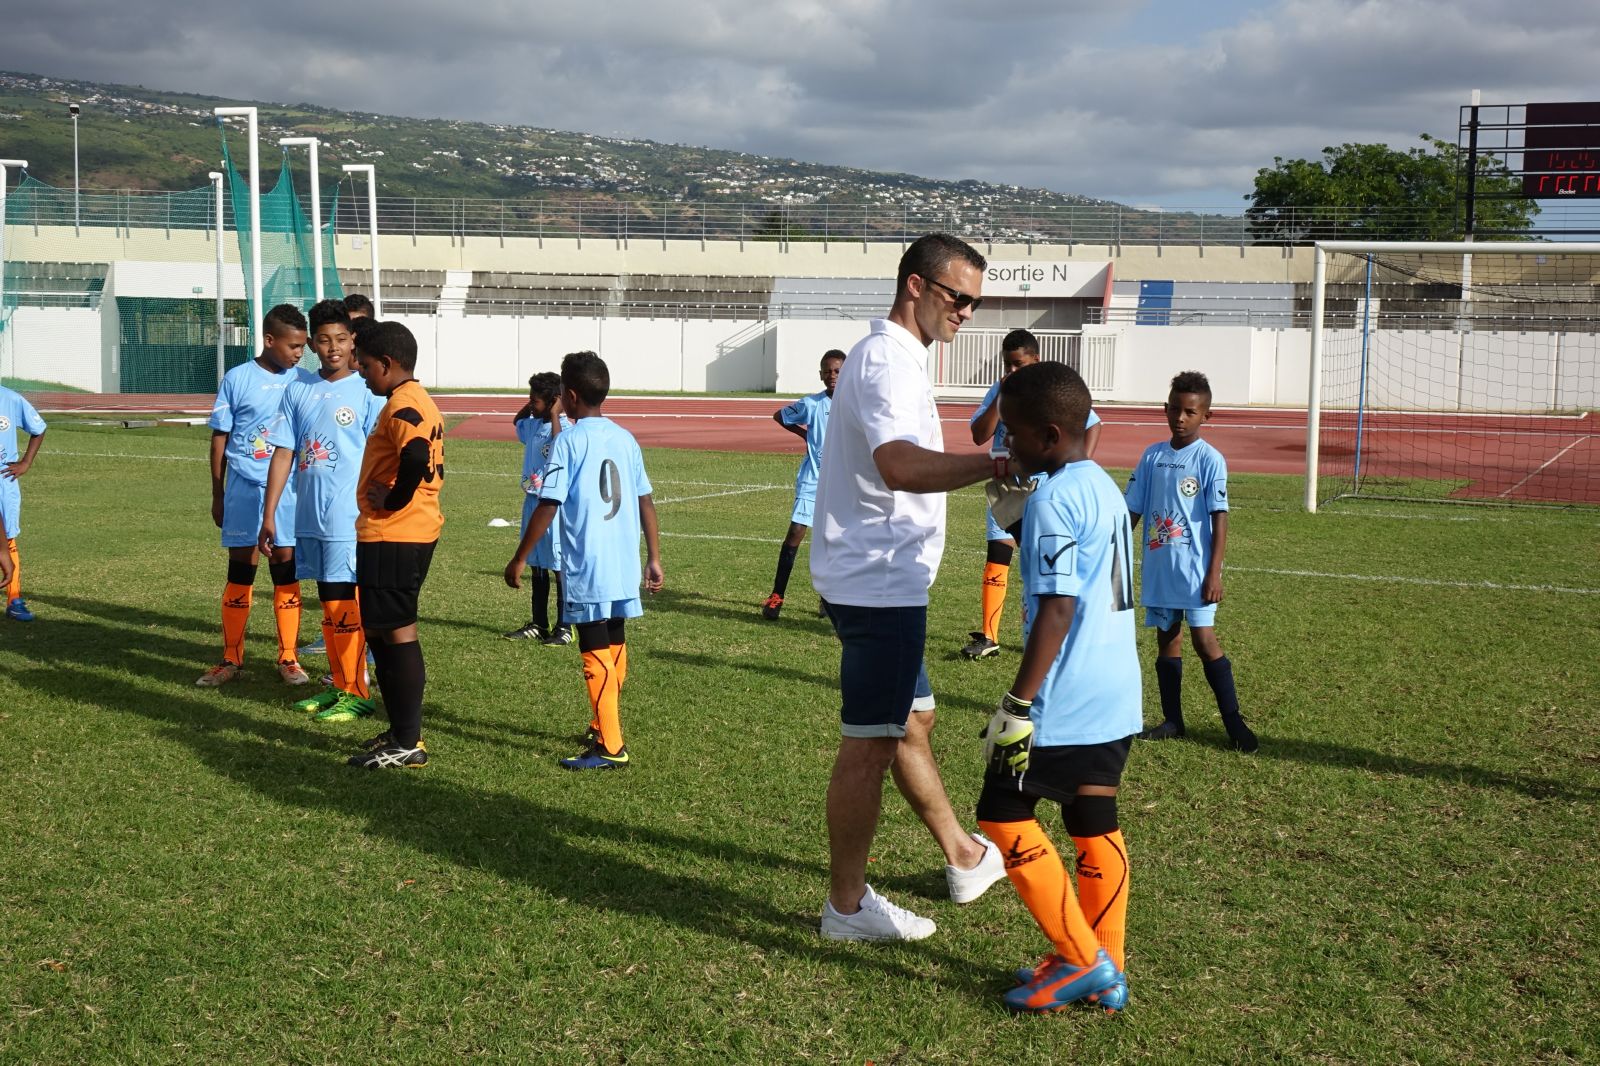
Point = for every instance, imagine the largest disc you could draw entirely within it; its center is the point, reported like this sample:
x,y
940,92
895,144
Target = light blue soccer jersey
x,y
247,405
16,413
327,423
596,473
534,433
992,397
812,412
1077,541
1176,491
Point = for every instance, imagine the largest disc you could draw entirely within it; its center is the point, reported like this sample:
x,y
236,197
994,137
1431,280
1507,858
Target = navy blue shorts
x,y
881,674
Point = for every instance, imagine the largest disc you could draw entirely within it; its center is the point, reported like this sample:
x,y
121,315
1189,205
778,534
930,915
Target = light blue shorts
x,y
993,531
330,561
11,507
803,506
1164,618
574,614
546,553
241,514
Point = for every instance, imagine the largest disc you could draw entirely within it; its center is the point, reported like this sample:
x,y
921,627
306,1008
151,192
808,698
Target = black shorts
x,y
388,577
1054,773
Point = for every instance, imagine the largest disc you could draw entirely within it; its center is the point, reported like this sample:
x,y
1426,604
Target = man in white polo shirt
x,y
877,538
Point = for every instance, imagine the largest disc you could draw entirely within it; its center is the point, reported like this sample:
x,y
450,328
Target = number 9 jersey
x,y
596,473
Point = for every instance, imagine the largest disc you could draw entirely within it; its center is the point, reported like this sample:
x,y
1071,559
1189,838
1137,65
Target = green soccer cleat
x,y
320,702
348,708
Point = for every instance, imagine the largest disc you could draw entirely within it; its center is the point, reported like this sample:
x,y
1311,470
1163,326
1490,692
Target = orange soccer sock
x,y
1035,868
347,645
286,613
1103,889
235,616
14,586
619,657
995,578
600,674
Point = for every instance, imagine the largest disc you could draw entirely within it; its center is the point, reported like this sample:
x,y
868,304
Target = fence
x,y
972,358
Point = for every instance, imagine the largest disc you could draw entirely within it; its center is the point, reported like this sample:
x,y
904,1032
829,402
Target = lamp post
x,y
76,220
316,204
222,367
4,163
255,203
372,220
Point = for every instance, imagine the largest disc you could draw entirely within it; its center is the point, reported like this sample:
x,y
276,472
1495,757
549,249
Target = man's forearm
x,y
906,467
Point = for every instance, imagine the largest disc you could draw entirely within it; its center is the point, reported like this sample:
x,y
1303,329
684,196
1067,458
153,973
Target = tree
x,y
1374,192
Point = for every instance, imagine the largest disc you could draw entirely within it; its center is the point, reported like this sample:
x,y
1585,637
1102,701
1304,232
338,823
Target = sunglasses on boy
x,y
960,299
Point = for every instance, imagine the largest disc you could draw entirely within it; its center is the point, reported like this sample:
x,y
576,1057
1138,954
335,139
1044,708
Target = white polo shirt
x,y
872,547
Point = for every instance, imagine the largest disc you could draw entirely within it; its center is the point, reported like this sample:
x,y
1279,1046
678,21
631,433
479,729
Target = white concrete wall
x,y
60,344
800,345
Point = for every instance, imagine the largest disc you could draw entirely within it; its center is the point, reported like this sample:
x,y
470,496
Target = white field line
x,y
1391,579
1542,466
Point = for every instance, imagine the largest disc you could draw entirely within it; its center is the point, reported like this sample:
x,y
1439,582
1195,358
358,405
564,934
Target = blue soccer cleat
x,y
1057,984
596,758
17,610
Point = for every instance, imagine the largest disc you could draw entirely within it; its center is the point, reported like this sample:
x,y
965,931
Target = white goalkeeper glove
x,y
1008,738
1007,500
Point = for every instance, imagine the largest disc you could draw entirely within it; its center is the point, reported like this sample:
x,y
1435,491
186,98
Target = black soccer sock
x,y
1219,675
541,597
402,677
561,598
786,557
1169,678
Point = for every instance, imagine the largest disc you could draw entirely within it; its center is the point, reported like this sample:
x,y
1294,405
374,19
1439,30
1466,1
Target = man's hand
x,y
17,469
653,577
269,537
1008,498
1008,738
514,571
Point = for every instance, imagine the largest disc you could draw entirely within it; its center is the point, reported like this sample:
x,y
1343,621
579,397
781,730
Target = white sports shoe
x,y
878,919
968,885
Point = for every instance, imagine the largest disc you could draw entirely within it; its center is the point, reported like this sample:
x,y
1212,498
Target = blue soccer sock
x,y
1219,675
1169,678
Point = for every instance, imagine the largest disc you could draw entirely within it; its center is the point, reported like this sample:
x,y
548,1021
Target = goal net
x,y
1454,372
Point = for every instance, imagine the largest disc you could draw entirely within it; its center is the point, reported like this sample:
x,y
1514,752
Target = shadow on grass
x,y
679,601
563,853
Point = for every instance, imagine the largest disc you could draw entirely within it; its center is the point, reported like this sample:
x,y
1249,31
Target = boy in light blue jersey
x,y
1018,349
538,423
248,401
806,418
1180,488
1063,731
317,440
15,413
595,480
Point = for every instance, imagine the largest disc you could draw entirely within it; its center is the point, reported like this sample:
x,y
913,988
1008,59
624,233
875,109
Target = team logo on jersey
x,y
345,416
259,448
316,452
1165,529
1189,488
5,423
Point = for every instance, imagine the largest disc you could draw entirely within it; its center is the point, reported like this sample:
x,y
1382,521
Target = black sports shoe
x,y
981,647
1168,730
559,637
770,609
531,631
1240,736
390,756
382,740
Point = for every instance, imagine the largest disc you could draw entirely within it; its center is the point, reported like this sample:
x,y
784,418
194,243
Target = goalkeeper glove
x,y
1007,500
1008,737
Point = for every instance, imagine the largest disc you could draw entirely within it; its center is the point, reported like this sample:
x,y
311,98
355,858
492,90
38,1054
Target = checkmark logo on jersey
x,y
1056,554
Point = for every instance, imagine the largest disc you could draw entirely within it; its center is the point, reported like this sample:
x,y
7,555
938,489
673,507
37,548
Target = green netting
x,y
288,256
171,345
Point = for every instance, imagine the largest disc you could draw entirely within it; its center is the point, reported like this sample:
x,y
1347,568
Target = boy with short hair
x,y
1018,349
1181,487
358,306
402,473
247,404
806,418
15,412
538,423
595,479
1063,731
324,423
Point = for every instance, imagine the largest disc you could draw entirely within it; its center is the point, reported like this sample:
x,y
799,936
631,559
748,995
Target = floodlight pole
x,y
4,163
316,204
76,214
255,204
372,221
222,362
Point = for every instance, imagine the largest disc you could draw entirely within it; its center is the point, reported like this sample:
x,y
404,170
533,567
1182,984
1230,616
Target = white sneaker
x,y
878,919
968,885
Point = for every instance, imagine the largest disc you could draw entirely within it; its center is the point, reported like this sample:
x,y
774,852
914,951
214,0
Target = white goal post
x,y
1454,371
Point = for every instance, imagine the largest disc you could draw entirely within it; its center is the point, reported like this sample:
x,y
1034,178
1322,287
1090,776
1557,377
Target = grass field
x,y
1404,873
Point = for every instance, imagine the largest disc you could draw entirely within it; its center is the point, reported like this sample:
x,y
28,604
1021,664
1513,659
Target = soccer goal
x,y
1454,372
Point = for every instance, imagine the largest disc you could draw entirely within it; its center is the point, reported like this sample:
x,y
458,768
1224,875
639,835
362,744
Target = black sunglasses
x,y
960,299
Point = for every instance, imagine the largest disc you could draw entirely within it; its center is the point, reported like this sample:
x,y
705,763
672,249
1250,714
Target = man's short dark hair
x,y
392,341
1192,381
831,353
585,373
357,304
1047,394
285,318
928,256
1020,340
328,312
546,386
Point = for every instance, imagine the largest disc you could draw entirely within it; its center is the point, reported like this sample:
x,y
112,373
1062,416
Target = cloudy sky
x,y
1173,103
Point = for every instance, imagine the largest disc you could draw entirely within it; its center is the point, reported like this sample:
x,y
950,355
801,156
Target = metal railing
x,y
581,219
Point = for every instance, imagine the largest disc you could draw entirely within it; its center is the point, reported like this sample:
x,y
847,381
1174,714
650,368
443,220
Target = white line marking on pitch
x,y
1542,465
1493,586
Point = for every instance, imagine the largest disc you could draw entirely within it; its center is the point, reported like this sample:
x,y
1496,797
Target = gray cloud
x,y
1032,93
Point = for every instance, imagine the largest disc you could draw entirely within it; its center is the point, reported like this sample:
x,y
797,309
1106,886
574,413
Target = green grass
x,y
35,385
1405,872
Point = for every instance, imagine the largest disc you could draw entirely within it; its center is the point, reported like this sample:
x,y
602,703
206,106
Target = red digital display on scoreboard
x,y
1561,151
